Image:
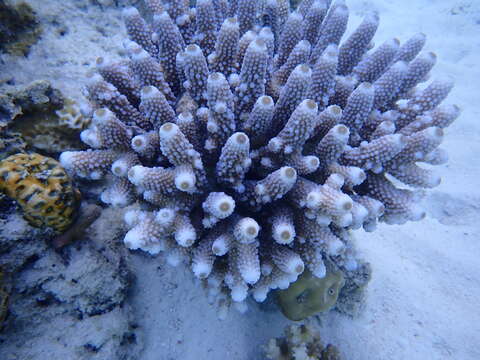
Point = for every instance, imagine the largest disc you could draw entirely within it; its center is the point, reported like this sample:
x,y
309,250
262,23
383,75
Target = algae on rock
x,y
43,117
19,29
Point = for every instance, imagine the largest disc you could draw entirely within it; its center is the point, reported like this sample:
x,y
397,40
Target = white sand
x,y
423,298
424,295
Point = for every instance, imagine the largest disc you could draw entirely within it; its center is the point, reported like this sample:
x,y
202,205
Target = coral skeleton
x,y
255,137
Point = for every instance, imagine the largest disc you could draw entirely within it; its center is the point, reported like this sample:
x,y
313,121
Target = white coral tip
x,y
246,230
136,174
220,246
149,92
90,137
295,265
165,216
343,203
222,206
341,132
260,293
283,233
185,181
201,269
314,199
357,175
251,275
312,163
120,168
134,239
275,144
168,130
139,143
185,236
66,159
288,174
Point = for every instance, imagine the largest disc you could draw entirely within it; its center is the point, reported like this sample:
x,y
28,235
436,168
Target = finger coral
x,y
256,142
42,188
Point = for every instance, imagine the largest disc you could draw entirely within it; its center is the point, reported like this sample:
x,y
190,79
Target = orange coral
x,y
42,188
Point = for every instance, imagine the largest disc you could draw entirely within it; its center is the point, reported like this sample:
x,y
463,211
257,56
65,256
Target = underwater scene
x,y
239,179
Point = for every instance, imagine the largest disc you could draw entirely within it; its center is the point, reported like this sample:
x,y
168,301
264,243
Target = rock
x,y
42,117
73,300
19,28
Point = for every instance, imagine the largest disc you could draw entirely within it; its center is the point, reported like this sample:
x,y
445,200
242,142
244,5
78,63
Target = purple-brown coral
x,y
255,142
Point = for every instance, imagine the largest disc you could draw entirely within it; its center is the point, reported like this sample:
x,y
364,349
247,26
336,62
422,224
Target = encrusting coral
x,y
42,188
256,139
301,342
310,294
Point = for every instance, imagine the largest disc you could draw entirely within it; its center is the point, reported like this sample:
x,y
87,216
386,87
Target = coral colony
x,y
255,139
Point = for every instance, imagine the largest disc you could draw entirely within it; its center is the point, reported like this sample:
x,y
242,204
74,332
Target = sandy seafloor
x,y
423,300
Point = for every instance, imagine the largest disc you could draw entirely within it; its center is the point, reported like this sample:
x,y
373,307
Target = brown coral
x,y
42,188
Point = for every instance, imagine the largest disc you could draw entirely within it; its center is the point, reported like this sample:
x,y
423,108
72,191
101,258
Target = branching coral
x,y
257,142
301,342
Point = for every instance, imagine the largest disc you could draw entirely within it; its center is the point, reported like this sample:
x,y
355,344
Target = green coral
x,y
310,295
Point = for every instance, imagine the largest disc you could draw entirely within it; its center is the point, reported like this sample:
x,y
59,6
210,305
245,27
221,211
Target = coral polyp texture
x,y
42,188
255,137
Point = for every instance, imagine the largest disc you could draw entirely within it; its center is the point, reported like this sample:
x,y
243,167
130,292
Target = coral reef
x,y
19,29
42,117
42,188
256,139
301,342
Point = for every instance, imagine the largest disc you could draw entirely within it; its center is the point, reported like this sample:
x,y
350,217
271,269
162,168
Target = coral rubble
x,y
256,139
42,188
301,342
